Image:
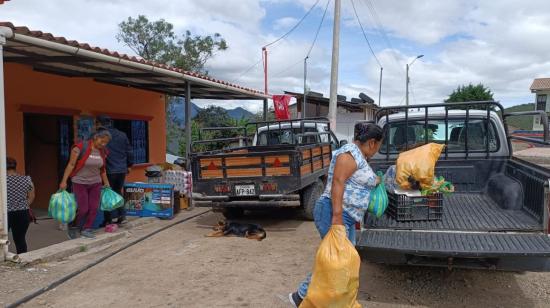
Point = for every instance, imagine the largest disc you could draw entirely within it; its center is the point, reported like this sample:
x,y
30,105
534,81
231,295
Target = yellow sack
x,y
335,279
419,164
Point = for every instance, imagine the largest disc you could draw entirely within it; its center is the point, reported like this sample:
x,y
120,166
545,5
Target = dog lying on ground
x,y
250,231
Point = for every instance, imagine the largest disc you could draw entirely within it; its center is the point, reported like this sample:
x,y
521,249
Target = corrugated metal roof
x,y
61,62
540,84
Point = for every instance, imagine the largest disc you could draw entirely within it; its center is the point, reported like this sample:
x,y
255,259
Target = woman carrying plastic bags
x,y
343,203
86,168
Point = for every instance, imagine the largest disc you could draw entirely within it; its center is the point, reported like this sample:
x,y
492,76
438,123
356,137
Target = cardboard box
x,y
184,202
149,200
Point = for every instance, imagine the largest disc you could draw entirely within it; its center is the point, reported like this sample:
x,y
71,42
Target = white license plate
x,y
245,190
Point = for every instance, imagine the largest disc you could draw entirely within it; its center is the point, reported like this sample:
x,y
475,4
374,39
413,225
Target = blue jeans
x,y
322,215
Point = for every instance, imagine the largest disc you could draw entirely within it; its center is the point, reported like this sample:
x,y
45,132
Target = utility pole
x,y
407,80
303,115
407,86
334,66
380,88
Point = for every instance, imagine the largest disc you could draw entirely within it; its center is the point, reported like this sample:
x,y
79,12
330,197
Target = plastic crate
x,y
405,208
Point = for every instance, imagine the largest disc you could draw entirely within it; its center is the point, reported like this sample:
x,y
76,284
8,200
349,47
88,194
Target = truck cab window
x,y
402,137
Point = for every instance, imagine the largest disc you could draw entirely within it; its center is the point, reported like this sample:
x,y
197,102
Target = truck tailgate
x,y
456,244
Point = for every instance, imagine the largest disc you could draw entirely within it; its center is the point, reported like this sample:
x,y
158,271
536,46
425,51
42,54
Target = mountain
x,y
239,113
522,122
178,110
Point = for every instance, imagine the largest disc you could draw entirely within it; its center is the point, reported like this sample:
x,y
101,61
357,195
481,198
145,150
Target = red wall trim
x,y
123,116
49,110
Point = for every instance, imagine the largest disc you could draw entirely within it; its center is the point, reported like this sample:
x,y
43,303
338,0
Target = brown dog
x,y
249,231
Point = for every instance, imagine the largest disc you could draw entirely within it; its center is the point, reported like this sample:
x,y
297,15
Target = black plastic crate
x,y
405,208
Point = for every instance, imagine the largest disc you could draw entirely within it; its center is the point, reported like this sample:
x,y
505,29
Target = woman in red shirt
x,y
86,168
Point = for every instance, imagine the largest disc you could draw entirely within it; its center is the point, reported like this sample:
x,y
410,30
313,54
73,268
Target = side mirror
x,y
343,142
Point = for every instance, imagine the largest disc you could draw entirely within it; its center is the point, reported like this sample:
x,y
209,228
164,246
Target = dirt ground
x,y
182,268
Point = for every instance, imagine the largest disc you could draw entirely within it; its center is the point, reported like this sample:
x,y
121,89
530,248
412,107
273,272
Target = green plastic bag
x,y
378,198
62,207
110,200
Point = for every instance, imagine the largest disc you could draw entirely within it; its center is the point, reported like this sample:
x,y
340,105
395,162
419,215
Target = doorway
x,y
48,140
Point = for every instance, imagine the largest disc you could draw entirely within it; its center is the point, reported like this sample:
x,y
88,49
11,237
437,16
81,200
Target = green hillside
x,y
525,122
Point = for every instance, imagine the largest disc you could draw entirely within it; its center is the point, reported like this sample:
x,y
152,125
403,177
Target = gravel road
x,y
182,268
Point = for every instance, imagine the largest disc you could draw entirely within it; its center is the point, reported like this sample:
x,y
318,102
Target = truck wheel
x,y
233,213
310,195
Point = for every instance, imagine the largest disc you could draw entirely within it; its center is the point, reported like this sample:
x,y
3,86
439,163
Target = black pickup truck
x,y
497,218
282,165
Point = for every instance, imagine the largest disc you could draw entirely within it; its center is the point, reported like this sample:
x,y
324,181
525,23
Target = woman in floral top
x,y
347,194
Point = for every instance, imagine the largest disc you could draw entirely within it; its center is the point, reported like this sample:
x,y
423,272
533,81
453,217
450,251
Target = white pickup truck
x,y
498,217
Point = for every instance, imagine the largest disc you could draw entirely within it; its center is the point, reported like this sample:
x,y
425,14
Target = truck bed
x,y
466,212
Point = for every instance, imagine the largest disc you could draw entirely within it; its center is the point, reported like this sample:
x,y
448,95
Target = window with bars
x,y
138,135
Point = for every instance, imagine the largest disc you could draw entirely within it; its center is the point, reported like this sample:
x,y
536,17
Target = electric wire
x,y
364,34
286,69
295,26
380,29
246,71
318,29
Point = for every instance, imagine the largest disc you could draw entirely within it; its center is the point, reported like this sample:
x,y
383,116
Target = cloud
x,y
502,44
284,23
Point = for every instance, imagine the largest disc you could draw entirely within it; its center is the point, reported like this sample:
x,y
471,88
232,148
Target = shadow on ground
x,y
407,285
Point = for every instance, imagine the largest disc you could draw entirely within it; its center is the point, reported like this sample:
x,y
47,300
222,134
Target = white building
x,y
347,113
541,88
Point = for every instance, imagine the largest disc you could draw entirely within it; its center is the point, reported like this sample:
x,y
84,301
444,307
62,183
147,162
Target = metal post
x,y
407,86
380,88
334,65
303,115
265,109
3,172
264,55
188,135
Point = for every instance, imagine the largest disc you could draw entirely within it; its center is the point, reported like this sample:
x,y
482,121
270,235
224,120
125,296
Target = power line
x,y
318,29
364,34
246,71
295,26
286,69
379,27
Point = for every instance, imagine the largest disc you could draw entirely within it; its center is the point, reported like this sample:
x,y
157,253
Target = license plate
x,y
245,190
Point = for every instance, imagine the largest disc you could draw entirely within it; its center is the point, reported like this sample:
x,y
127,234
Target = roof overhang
x,y
49,54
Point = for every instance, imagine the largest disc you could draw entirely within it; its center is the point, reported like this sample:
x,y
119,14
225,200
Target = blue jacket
x,y
120,156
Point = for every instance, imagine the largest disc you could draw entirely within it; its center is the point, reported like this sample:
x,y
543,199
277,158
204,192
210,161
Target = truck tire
x,y
233,213
310,195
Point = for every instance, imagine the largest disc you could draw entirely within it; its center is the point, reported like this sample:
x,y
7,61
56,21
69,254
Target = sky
x,y
502,44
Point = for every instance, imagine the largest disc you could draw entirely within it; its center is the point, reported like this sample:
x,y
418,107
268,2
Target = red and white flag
x,y
280,102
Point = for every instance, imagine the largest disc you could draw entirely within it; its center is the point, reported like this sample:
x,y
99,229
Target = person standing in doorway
x,y
86,168
119,164
20,196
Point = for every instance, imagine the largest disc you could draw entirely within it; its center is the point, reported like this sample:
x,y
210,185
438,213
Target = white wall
x,y
536,120
345,121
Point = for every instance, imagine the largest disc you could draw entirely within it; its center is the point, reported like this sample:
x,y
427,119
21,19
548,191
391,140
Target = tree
x,y
213,116
470,93
156,41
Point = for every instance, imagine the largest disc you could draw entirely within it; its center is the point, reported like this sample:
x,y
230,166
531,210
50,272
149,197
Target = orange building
x,y
53,89
42,123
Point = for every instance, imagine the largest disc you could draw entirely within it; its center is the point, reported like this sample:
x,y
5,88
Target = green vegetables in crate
x,y
439,186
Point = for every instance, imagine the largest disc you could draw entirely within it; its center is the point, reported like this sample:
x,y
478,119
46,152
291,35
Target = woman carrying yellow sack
x,y
347,194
